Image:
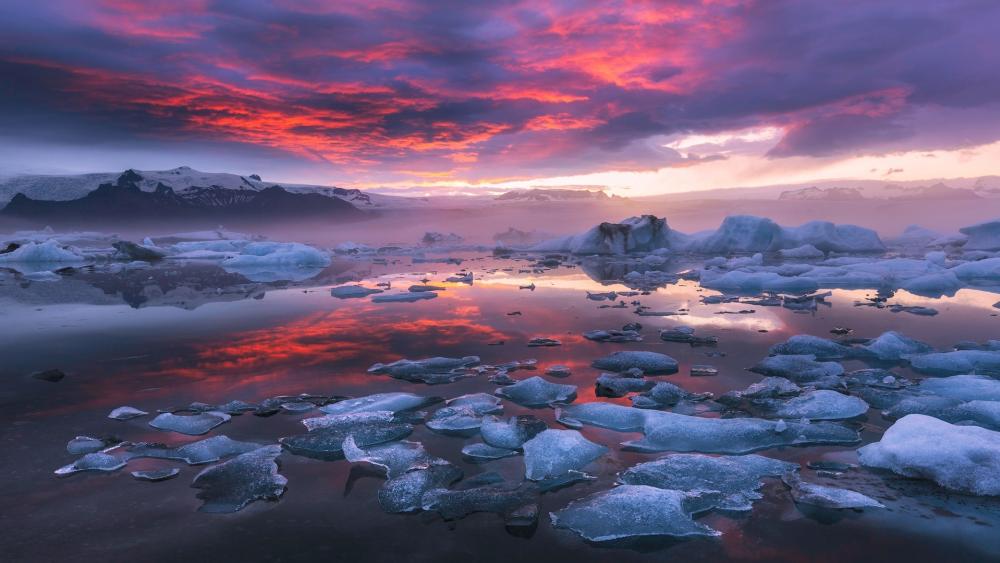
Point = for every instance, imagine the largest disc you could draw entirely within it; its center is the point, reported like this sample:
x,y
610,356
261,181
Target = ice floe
x,y
406,493
192,425
553,453
537,392
735,479
396,458
204,451
512,433
435,370
827,497
652,363
231,485
630,511
352,291
391,402
964,459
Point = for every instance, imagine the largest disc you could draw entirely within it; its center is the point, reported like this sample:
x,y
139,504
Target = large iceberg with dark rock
x,y
645,233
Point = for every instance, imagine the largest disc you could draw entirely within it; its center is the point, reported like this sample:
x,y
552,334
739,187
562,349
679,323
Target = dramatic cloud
x,y
395,90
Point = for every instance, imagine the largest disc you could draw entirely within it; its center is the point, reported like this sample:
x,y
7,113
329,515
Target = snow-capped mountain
x,y
204,188
539,194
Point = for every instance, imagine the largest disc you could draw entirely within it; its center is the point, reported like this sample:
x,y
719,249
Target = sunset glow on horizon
x,y
637,97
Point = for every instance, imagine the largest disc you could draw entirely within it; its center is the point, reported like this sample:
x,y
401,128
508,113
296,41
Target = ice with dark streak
x,y
827,497
537,392
406,493
195,453
736,479
553,453
232,485
512,433
326,435
630,511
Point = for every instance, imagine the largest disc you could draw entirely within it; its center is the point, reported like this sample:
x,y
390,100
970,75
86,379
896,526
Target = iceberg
x,y
231,485
957,362
982,236
278,254
820,405
47,252
893,346
805,344
645,233
630,511
352,291
649,362
736,480
799,369
964,459
537,392
553,453
963,387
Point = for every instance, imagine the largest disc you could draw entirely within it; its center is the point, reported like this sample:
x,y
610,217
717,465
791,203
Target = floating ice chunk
x,y
98,461
558,370
957,362
686,335
554,452
542,341
604,415
987,270
821,405
804,252
464,415
703,371
798,368
663,394
392,402
403,297
805,344
195,453
608,385
501,498
893,346
943,283
85,445
50,251
680,433
192,425
395,458
827,497
963,387
648,362
485,452
537,392
735,479
126,413
878,378
631,511
43,276
231,485
156,474
767,388
432,371
461,278
635,234
297,407
406,493
327,434
352,291
278,253
613,336
513,433
965,459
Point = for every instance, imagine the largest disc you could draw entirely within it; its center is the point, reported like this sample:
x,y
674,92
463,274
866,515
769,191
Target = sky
x,y
640,97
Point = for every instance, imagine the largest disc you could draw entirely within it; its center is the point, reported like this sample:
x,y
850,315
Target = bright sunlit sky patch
x,y
640,96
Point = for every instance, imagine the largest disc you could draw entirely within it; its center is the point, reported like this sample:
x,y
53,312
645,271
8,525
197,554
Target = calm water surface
x,y
158,339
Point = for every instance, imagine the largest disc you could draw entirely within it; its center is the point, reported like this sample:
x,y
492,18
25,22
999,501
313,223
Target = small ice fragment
x,y
423,288
608,385
798,368
537,392
50,375
613,336
827,497
631,511
126,413
231,485
98,461
484,452
648,362
428,370
352,291
821,405
554,452
195,453
156,474
296,407
542,341
703,371
805,344
403,297
513,433
193,425
558,370
86,445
